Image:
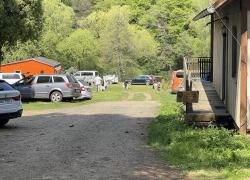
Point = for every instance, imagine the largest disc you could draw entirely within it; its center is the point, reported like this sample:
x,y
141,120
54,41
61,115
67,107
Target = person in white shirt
x,y
97,82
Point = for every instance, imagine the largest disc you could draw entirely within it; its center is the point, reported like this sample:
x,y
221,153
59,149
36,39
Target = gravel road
x,y
103,141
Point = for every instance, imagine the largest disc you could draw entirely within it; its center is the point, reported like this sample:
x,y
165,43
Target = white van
x,y
89,75
11,77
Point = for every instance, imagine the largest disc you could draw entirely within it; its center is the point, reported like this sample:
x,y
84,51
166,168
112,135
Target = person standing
x,y
162,83
97,82
105,84
76,69
153,83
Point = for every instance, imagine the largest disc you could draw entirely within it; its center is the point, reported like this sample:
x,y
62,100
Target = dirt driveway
x,y
98,141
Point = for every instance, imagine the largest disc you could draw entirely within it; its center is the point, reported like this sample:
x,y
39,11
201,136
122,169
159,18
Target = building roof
x,y
42,60
216,5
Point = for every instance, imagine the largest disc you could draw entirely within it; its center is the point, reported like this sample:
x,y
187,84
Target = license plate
x,y
6,101
78,90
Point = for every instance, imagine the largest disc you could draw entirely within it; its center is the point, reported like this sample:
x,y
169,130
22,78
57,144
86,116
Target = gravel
x,y
103,140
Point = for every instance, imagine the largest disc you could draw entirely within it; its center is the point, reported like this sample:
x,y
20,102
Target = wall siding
x,y
233,84
232,100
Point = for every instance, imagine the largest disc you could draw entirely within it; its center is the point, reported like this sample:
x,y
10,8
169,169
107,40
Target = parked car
x,y
86,90
177,77
10,103
142,79
55,87
89,75
11,77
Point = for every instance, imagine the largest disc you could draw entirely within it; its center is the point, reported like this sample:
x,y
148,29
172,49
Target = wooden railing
x,y
196,69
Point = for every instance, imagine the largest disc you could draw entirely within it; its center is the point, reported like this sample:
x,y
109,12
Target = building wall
x,y
232,96
233,84
31,66
217,59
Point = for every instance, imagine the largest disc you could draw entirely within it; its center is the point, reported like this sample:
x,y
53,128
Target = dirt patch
x,y
131,95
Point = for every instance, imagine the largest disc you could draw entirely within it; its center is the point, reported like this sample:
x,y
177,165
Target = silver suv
x,y
48,86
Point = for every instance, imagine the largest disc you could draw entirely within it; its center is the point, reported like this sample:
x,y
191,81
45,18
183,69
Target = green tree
x,y
80,48
21,51
58,24
121,43
19,20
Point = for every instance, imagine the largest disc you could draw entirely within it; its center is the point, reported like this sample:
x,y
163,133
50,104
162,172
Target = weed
x,y
194,149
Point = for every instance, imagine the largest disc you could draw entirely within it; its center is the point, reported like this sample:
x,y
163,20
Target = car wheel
x,y
56,96
3,122
147,83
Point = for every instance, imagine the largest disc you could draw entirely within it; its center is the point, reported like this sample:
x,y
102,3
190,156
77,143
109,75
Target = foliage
x,y
81,48
58,23
131,36
192,149
19,20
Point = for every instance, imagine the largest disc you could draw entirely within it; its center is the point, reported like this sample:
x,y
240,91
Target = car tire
x,y
3,122
147,83
56,96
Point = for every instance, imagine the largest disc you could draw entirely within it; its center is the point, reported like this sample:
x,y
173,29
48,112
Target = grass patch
x,y
115,92
191,149
138,97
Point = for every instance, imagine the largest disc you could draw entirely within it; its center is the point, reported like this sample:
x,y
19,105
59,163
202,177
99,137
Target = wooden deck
x,y
209,108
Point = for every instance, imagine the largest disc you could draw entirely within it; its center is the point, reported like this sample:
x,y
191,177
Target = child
x,y
159,86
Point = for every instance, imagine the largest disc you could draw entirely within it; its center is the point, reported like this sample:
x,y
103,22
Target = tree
x,y
121,43
58,23
80,48
19,20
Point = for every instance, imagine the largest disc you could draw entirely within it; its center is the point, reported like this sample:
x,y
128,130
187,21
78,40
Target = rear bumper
x,y
12,114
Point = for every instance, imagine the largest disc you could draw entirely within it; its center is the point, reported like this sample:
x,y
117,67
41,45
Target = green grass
x,y
115,92
213,149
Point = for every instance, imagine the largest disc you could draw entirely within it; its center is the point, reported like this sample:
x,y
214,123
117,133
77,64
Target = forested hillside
x,y
124,37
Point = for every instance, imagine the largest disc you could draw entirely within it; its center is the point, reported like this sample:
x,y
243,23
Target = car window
x,y
86,73
179,74
143,77
5,87
27,80
85,84
138,77
71,79
10,76
77,74
58,79
44,79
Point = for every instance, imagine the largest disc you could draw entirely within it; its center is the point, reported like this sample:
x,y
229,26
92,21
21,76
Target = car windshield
x,y
5,87
85,84
179,74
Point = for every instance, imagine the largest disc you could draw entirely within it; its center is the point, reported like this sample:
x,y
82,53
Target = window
x,y
77,74
5,87
143,77
234,52
86,73
44,79
179,74
11,76
71,79
58,79
27,80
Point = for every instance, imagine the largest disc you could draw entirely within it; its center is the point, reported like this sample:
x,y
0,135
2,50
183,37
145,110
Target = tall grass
x,y
223,152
